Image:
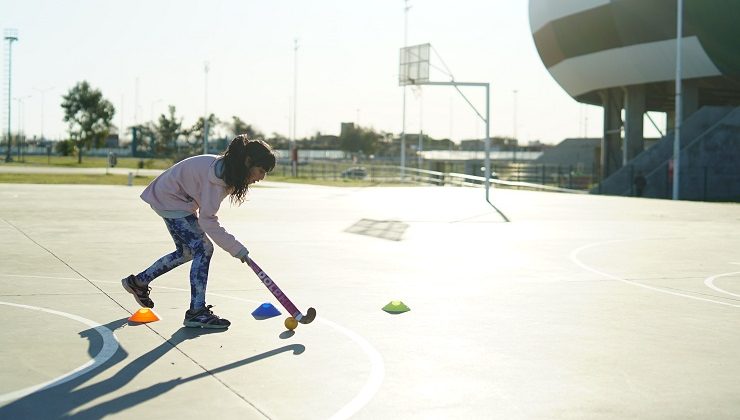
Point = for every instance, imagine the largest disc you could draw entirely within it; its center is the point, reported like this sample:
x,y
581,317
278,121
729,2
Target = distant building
x,y
469,155
621,55
471,145
346,126
578,152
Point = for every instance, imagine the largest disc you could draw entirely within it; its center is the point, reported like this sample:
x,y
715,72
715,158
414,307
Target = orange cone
x,y
144,315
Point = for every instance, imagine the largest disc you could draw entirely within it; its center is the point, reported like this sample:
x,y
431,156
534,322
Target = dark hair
x,y
241,156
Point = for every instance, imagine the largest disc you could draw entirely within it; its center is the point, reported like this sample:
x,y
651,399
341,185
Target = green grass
x,y
89,162
110,179
333,183
93,179
279,175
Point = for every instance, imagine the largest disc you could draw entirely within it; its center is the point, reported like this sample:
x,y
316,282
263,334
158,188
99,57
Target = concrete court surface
x,y
582,307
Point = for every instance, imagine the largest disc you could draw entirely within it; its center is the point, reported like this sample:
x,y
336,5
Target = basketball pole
x,y
406,8
487,144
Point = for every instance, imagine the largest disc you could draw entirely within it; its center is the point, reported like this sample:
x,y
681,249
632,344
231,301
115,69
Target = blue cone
x,y
264,311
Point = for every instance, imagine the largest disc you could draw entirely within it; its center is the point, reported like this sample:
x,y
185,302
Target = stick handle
x,y
275,290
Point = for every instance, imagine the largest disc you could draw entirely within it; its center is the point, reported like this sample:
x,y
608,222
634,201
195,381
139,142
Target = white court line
x,y
109,348
710,282
371,387
368,391
575,260
373,383
41,277
377,367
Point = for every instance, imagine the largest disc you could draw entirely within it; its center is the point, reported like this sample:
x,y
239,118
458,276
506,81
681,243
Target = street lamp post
x,y
420,147
21,126
11,35
514,123
677,119
42,91
154,103
205,110
293,146
406,8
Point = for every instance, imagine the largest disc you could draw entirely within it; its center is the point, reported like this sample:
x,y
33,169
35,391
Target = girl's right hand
x,y
243,255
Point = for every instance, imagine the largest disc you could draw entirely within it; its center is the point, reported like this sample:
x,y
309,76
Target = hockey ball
x,y
290,323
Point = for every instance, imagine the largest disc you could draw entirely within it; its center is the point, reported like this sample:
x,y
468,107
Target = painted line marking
x,y
574,258
377,367
41,277
368,391
108,349
709,281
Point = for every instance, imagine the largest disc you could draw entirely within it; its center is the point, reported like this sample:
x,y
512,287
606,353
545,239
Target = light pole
x,y
677,129
516,142
11,35
406,8
420,147
136,102
152,110
120,128
293,149
41,92
21,125
205,110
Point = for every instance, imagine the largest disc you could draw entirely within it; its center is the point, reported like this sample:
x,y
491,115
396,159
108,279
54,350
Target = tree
x,y
65,147
146,139
278,141
195,133
89,116
238,126
168,130
357,139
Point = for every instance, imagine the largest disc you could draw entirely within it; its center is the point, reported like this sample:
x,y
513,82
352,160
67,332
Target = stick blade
x,y
309,317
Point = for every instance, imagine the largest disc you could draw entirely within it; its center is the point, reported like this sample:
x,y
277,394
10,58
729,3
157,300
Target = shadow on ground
x,y
62,401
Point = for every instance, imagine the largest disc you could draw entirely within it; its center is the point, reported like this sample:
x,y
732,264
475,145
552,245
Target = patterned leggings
x,y
191,243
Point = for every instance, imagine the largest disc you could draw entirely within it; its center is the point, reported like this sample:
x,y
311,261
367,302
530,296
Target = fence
x,y
518,176
328,165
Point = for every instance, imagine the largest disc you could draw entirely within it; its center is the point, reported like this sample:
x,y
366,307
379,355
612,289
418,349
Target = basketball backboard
x,y
414,65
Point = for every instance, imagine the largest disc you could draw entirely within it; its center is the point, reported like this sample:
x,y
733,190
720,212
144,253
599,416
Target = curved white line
x,y
377,367
371,387
709,281
109,348
373,383
575,260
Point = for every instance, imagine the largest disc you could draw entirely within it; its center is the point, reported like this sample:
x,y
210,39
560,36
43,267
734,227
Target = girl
x,y
187,196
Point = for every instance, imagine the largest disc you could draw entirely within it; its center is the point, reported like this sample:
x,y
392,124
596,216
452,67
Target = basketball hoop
x,y
414,65
414,70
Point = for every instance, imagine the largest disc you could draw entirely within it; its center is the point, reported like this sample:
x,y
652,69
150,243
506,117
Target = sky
x,y
145,55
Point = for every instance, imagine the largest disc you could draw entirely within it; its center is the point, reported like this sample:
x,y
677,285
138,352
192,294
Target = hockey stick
x,y
281,297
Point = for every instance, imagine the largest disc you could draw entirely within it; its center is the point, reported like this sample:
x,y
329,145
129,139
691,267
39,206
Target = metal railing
x,y
393,174
476,181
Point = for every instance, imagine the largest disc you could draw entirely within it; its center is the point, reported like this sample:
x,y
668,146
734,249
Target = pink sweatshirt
x,y
192,185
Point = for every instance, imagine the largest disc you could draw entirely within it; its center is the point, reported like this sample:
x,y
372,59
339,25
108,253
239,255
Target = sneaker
x,y
204,318
141,293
